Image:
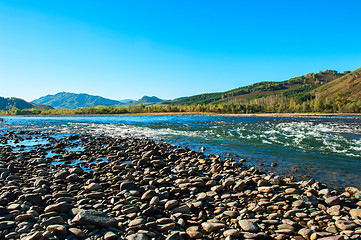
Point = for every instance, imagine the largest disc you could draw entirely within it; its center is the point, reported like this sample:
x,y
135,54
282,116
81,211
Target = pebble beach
x,y
139,189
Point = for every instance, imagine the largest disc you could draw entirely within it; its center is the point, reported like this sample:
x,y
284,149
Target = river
x,y
327,149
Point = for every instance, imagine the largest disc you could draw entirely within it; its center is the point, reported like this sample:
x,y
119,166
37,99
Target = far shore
x,y
294,115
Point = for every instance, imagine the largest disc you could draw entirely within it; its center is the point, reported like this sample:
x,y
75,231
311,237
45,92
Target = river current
x,y
327,149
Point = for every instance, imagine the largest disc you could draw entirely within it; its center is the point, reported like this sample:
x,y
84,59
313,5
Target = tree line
x,y
267,104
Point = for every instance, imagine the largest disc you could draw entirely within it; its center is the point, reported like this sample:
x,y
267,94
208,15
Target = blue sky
x,y
127,49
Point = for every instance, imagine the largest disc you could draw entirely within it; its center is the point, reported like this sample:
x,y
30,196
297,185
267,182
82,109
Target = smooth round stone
x,y
136,222
334,210
285,231
171,204
265,189
298,203
212,227
232,214
57,229
286,226
234,233
332,201
93,187
166,227
154,201
147,233
201,196
345,225
23,217
248,226
301,215
355,213
291,191
128,185
270,222
110,236
148,195
194,234
228,182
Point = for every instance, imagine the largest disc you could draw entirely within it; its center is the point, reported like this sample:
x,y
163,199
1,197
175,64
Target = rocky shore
x,y
139,189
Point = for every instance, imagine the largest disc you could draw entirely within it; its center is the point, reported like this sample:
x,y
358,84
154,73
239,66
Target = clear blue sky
x,y
127,49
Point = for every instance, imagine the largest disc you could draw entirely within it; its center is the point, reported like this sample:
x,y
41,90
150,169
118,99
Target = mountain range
x,y
80,100
327,87
75,100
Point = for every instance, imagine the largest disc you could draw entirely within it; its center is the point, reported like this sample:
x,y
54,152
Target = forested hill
x,y
75,100
8,104
345,91
298,87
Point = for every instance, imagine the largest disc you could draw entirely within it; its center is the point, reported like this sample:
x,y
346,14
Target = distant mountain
x,y
146,100
76,100
10,103
126,100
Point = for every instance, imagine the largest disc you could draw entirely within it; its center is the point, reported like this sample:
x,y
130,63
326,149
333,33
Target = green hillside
x,y
349,85
298,87
345,92
7,104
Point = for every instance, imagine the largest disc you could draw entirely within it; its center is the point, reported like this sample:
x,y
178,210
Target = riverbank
x,y
294,115
97,187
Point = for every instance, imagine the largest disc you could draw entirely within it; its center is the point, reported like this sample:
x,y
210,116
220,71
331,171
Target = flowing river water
x,y
327,149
